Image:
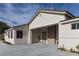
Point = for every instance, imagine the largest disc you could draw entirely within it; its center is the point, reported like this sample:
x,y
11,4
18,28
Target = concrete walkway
x,y
32,50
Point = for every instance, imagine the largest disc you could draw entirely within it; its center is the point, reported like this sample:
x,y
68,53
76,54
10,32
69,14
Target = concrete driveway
x,y
32,50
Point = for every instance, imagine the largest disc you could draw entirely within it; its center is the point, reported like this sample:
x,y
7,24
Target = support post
x,y
30,36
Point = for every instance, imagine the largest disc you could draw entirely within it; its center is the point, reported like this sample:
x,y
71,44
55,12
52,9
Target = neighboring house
x,y
47,26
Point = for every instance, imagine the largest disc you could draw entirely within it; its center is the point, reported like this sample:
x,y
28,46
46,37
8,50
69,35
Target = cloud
x,y
7,20
20,13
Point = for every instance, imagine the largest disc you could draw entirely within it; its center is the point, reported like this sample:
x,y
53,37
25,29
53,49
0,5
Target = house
x,y
47,26
17,34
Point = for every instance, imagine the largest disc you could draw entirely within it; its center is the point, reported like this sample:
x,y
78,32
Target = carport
x,y
46,34
44,27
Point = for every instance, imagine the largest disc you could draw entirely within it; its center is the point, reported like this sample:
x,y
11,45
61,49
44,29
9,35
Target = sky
x,y
20,13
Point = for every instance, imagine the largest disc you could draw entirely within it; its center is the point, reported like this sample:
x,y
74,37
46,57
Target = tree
x,y
3,27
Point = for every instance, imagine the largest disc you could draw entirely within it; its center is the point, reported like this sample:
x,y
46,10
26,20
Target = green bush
x,y
2,37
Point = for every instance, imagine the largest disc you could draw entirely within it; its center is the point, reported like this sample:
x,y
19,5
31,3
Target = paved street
x,y
32,50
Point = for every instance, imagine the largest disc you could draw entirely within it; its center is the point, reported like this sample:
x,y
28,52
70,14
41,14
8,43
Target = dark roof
x,y
70,13
58,11
16,26
20,25
70,19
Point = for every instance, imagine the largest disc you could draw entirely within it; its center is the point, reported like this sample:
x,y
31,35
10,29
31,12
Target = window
x,y
74,26
77,25
8,34
11,34
19,34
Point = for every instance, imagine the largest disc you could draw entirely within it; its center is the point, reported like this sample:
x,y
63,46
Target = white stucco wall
x,y
10,40
68,37
14,40
25,35
45,19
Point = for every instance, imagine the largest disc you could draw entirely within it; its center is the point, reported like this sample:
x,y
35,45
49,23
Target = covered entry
x,y
44,26
48,34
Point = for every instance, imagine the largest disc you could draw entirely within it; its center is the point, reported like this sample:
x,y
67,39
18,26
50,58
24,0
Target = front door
x,y
44,37
51,35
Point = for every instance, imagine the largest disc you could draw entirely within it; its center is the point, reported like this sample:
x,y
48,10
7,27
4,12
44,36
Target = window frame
x,y
19,34
73,28
8,34
11,32
76,23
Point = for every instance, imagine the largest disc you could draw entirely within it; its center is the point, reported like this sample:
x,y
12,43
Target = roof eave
x,y
40,10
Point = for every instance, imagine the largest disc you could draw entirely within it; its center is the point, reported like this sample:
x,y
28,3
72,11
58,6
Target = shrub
x,y
2,37
77,47
62,48
72,50
7,43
